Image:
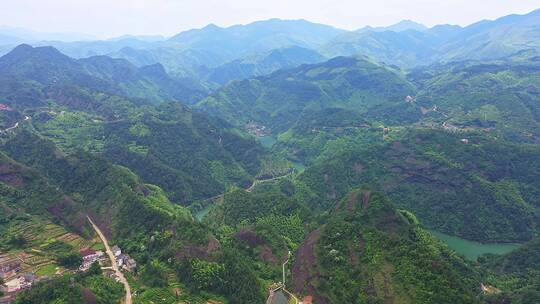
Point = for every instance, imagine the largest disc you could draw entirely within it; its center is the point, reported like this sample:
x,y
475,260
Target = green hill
x,y
276,101
498,97
516,275
45,71
80,105
482,189
367,252
484,40
259,65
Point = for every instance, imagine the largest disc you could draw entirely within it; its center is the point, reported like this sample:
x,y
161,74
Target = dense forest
x,y
275,159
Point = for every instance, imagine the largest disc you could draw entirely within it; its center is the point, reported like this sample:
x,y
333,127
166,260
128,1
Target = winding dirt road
x,y
16,125
114,265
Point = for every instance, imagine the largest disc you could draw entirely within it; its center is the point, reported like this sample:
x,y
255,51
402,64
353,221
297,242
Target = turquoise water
x,y
267,141
299,167
472,250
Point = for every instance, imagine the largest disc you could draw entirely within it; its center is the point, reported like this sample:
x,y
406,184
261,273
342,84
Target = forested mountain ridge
x,y
257,36
81,104
277,100
50,69
432,173
137,216
193,54
368,252
484,40
260,65
517,273
497,96
241,164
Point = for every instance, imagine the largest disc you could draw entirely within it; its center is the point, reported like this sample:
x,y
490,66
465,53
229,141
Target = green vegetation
x,y
47,270
516,274
457,188
451,147
497,97
89,287
348,83
232,277
369,252
153,275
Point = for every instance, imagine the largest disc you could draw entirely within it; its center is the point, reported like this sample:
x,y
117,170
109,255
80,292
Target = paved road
x,y
113,262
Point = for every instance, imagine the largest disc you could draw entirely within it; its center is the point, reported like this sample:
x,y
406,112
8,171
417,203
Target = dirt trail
x,y
16,125
253,185
114,265
260,181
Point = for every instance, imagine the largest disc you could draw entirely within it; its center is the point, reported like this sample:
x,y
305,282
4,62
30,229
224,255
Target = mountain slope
x,y
495,39
417,46
516,274
48,69
278,59
407,48
401,26
480,188
367,252
25,189
500,97
74,103
136,216
261,36
277,100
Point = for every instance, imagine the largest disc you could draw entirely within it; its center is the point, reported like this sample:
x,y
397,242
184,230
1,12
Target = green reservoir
x,y
472,250
300,167
267,141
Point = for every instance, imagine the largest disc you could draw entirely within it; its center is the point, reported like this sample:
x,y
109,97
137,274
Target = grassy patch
x,y
47,270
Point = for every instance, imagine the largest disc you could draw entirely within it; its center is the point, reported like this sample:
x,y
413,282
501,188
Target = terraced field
x,y
38,234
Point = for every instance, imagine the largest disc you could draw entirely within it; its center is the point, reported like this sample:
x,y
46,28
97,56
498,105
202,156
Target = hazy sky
x,y
108,18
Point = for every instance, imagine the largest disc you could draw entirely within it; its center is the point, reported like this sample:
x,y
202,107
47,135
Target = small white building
x,y
116,250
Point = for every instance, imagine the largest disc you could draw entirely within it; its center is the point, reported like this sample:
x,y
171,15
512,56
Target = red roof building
x,y
4,107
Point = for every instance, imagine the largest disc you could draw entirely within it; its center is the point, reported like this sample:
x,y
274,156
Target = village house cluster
x,y
9,269
123,260
4,107
17,284
15,281
89,257
257,129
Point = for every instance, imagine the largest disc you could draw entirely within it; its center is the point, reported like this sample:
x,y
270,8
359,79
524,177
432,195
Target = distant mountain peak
x,y
211,26
25,49
22,48
404,25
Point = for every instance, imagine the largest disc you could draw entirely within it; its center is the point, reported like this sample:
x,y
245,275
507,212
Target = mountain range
x,y
281,159
196,53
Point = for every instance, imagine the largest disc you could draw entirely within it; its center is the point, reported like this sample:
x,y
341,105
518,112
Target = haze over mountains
x,y
196,53
280,159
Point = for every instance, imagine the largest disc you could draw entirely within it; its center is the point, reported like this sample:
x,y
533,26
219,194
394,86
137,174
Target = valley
x,y
278,161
